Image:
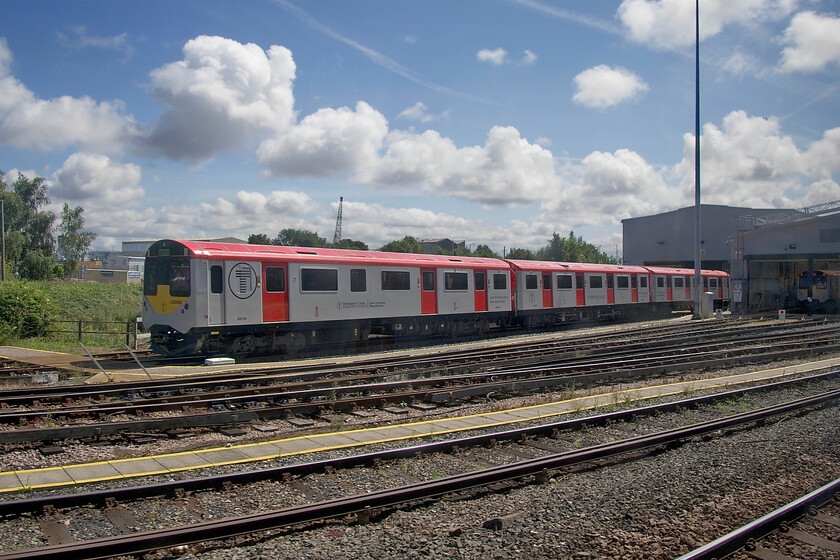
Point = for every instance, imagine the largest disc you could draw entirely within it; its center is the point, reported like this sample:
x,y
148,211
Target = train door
x,y
580,290
274,293
216,298
548,300
428,293
634,288
480,278
610,289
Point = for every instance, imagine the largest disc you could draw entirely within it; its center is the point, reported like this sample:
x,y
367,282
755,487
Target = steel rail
x,y
252,376
307,391
760,528
318,400
35,505
540,469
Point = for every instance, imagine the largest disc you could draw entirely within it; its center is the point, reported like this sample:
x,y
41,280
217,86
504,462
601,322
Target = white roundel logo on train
x,y
242,280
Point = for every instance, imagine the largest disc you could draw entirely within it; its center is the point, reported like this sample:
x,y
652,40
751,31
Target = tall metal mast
x,y
698,282
337,236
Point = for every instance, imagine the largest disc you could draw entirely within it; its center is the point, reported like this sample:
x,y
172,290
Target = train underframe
x,y
286,338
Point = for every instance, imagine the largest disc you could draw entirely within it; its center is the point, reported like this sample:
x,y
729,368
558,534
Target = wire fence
x,y
81,328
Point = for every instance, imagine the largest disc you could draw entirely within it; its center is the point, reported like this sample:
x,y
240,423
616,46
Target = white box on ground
x,y
219,361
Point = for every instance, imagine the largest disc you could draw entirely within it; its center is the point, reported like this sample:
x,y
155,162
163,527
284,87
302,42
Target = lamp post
x,y
698,282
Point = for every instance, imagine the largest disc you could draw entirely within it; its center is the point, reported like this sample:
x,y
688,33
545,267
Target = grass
x,y
94,303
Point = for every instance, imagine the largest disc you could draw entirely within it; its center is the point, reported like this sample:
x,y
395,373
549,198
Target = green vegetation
x,y
31,311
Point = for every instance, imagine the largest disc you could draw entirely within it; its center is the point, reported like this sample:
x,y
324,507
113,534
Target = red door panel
x,y
480,291
428,291
275,293
548,300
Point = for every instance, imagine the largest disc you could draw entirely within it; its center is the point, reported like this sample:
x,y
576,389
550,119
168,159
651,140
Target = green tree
x,y
518,254
350,244
299,238
407,244
259,239
572,249
73,243
29,240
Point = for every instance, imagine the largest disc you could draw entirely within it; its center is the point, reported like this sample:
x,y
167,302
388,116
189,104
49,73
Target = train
x,y
211,298
824,291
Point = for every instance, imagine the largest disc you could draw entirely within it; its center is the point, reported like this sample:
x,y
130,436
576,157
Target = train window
x,y
610,283
318,280
579,281
217,281
623,282
531,282
455,281
564,282
596,281
480,282
150,279
428,281
358,280
713,282
546,281
396,280
679,282
179,283
660,281
499,282
275,279
643,282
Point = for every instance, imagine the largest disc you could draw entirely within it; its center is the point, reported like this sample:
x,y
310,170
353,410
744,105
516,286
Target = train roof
x,y
545,266
220,251
683,271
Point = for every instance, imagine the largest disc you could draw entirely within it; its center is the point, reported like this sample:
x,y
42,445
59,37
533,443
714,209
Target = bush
x,y
24,310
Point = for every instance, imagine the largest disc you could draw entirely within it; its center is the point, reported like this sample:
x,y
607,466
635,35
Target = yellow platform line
x,y
189,460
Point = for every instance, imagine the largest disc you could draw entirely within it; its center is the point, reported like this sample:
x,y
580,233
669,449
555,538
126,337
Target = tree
x,y
73,244
259,239
521,254
350,244
299,238
485,252
407,244
29,240
572,249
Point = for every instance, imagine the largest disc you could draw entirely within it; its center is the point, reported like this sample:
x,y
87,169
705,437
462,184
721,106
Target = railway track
x,y
481,465
85,412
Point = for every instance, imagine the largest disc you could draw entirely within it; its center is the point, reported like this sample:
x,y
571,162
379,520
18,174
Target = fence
x,y
128,328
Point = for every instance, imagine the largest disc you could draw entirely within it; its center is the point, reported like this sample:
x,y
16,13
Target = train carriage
x,y
206,297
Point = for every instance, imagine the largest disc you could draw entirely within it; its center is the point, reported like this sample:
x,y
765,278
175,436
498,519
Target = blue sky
x,y
498,122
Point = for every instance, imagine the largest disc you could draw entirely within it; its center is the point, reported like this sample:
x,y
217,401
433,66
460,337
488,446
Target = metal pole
x,y
698,282
3,240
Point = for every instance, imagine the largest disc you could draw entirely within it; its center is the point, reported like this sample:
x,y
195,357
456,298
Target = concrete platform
x,y
24,480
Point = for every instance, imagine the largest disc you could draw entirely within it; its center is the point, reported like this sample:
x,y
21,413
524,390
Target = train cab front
x,y
168,298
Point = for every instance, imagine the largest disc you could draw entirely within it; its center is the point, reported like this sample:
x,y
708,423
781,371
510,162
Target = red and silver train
x,y
207,298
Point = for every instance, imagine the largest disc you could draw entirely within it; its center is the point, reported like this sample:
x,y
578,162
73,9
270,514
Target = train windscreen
x,y
167,264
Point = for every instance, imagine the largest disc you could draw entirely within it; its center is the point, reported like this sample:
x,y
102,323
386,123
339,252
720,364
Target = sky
x,y
498,122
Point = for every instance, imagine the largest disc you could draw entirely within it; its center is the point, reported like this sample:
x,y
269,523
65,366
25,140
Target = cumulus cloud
x,y
669,24
603,86
96,179
419,112
220,96
746,162
327,142
813,42
506,170
496,57
32,123
529,58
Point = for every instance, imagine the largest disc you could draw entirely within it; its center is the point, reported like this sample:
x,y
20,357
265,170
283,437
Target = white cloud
x,y
327,142
670,24
31,123
219,97
496,56
740,64
813,42
81,39
506,170
603,87
419,112
747,162
822,158
529,58
96,180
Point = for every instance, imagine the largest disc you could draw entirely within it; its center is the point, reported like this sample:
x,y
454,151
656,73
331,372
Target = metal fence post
x,y
80,330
